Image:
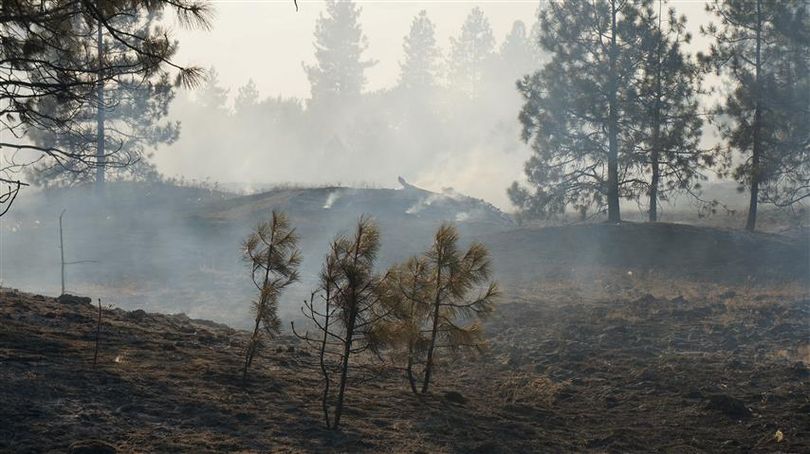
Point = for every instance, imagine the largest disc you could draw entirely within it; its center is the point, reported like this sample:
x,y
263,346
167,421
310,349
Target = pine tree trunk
x,y
344,372
324,371
613,129
409,366
435,329
251,347
409,370
756,151
656,132
62,251
656,175
101,158
251,350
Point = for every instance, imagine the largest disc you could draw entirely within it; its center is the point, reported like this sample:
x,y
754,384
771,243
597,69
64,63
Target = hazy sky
x,y
267,40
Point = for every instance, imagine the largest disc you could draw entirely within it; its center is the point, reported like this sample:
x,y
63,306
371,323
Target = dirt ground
x,y
709,370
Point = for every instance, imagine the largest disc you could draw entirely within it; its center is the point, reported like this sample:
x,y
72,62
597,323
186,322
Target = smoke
x,y
484,173
331,199
462,216
423,203
174,249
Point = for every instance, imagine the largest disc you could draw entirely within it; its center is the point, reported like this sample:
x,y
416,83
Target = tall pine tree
x,y
762,47
247,99
470,52
211,95
125,118
418,69
789,181
338,76
669,125
517,54
576,109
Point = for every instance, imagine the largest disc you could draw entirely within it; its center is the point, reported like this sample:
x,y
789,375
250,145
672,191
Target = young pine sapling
x,y
453,318
348,323
273,254
406,294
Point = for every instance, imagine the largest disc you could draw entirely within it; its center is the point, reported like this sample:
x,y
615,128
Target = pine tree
x,y
273,255
55,67
470,52
349,321
211,95
338,76
406,294
125,118
418,70
576,109
761,46
247,98
669,125
789,180
517,55
452,318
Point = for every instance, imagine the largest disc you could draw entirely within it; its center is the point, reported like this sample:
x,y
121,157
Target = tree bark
x,y
409,366
654,187
62,250
409,370
324,371
656,132
101,158
344,370
435,329
613,127
756,148
98,334
251,347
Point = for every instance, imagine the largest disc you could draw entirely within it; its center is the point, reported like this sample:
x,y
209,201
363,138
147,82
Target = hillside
x,y
674,250
717,370
170,249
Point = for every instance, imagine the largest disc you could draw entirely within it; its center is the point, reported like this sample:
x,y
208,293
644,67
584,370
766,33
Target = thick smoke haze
x,y
269,43
254,125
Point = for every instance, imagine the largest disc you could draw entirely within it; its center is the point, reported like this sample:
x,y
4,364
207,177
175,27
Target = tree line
x,y
613,105
616,113
360,322
448,98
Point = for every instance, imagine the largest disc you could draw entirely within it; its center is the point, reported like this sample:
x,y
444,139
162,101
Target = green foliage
x,y
577,109
349,322
52,69
406,293
668,129
763,48
247,99
430,303
273,255
339,73
614,114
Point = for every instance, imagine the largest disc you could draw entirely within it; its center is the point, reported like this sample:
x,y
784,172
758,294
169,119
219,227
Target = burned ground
x,y
671,250
716,369
609,338
170,249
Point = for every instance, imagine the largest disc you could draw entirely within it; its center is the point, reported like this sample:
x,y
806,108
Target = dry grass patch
x,y
529,388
